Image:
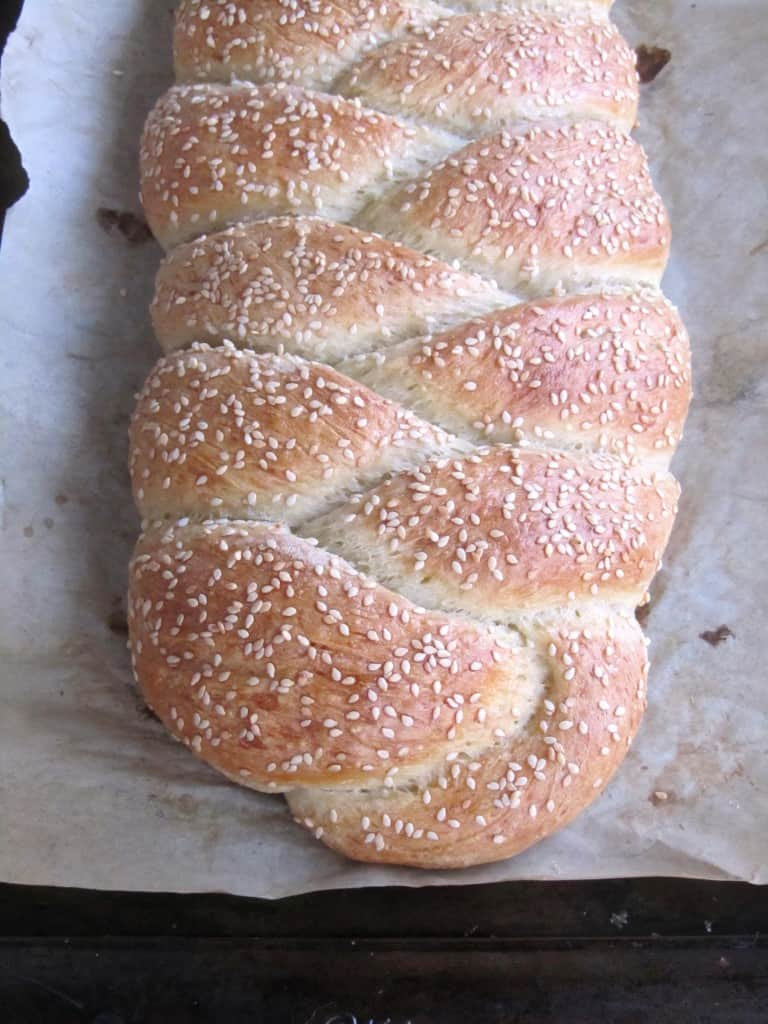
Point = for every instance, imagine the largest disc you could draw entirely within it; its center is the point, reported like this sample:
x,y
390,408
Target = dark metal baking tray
x,y
646,950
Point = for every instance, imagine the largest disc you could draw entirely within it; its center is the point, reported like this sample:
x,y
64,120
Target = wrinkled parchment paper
x,y
92,792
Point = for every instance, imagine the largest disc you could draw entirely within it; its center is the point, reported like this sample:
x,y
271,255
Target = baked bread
x,y
403,470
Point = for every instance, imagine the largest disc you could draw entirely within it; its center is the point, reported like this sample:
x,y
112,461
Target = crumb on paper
x,y
651,60
146,712
714,637
132,228
117,622
661,796
620,919
642,613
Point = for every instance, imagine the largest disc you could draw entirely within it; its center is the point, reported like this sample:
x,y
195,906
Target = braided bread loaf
x,y
403,469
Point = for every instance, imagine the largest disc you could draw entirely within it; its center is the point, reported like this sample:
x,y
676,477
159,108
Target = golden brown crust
x,y
566,204
607,372
306,42
478,73
282,666
503,530
433,652
557,6
302,41
310,286
212,155
222,433
480,809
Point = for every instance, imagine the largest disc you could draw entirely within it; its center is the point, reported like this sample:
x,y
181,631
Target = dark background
x,y
629,951
523,953
13,180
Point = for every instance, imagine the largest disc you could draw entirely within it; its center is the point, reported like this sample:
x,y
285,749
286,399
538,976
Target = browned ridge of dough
x,y
319,289
325,716
477,810
477,73
566,203
606,372
218,432
212,155
502,530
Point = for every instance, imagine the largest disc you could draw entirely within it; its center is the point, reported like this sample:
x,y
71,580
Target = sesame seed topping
x,y
396,521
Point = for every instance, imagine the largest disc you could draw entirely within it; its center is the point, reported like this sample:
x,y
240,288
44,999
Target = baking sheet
x,y
92,792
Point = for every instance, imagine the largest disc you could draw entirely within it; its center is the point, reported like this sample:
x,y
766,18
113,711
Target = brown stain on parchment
x,y
651,61
715,637
124,224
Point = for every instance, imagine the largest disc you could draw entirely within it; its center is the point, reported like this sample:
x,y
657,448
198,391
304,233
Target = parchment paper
x,y
92,792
